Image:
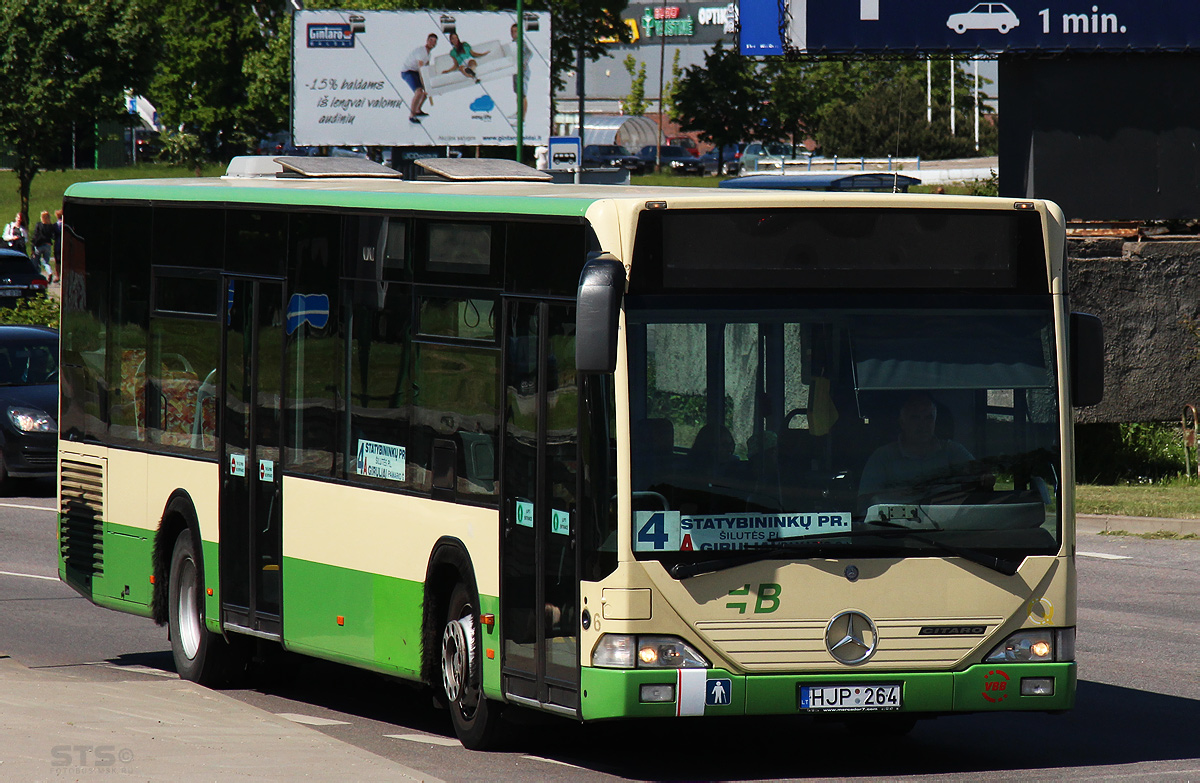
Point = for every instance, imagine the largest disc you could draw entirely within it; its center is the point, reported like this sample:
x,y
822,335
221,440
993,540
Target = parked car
x,y
874,182
20,277
728,158
758,151
677,159
29,398
687,142
610,156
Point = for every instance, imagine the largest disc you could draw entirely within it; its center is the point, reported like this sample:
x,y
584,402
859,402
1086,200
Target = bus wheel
x,y
476,719
200,656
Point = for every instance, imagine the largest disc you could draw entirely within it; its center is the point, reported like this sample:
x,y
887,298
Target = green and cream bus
x,y
601,451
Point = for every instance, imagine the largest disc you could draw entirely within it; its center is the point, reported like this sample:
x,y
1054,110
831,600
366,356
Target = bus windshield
x,y
868,430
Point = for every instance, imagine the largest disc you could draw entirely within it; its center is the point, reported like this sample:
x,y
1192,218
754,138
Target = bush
x,y
39,311
1127,453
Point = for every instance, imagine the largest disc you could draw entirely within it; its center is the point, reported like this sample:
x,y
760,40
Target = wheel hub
x,y
458,642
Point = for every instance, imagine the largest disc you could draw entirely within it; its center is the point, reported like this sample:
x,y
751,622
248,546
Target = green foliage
x,y
870,108
671,88
221,69
635,104
986,187
183,149
64,63
721,99
1136,453
889,115
39,311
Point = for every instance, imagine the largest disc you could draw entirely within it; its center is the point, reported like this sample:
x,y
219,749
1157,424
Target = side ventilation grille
x,y
81,517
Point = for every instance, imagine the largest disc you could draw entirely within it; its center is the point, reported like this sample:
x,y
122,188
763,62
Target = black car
x,y
29,401
727,159
19,277
677,159
610,156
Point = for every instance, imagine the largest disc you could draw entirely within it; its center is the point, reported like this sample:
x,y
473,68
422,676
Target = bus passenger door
x,y
251,478
539,591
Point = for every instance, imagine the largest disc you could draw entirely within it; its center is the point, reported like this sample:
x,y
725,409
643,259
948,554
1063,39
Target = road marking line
x,y
29,576
311,720
429,739
1103,555
32,508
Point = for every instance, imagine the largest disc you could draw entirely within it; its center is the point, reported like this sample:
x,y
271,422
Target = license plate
x,y
11,290
859,697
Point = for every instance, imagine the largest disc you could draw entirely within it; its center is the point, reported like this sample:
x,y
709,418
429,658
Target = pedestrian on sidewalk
x,y
15,236
58,229
43,244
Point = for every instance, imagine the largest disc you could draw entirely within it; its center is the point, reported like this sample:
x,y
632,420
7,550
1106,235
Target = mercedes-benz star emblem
x,y
851,638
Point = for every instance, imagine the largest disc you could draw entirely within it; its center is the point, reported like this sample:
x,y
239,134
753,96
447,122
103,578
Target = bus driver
x,y
918,456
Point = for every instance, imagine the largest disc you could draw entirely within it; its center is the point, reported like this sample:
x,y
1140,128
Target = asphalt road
x,y
1137,712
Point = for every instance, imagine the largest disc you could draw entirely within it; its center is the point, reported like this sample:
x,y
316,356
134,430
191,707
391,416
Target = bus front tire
x,y
476,719
200,656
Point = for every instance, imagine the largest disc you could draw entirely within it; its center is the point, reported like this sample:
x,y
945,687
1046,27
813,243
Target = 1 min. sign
x,y
967,26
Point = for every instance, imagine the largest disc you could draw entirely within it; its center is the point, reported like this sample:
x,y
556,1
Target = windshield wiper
x,y
785,547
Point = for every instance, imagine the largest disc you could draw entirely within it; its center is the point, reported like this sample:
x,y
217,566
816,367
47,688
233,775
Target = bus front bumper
x,y
624,693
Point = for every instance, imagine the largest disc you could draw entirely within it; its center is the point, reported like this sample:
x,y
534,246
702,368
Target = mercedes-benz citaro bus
x,y
605,452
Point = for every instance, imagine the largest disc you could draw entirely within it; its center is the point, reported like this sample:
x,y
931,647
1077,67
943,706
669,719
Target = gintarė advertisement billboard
x,y
418,78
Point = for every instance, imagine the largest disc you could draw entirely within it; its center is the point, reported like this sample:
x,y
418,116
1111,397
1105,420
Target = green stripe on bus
x,y
615,693
381,619
311,197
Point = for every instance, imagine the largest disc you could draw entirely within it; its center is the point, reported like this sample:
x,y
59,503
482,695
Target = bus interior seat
x,y
479,459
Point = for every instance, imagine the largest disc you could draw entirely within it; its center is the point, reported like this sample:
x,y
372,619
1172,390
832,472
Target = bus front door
x,y
251,479
539,590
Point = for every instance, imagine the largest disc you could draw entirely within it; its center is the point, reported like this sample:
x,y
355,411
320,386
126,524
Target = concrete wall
x,y
1146,293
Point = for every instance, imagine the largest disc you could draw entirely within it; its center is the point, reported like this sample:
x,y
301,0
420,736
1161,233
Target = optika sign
x,y
330,36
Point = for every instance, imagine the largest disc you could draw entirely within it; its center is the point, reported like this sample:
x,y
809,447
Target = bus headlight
x,y
1035,646
628,651
31,420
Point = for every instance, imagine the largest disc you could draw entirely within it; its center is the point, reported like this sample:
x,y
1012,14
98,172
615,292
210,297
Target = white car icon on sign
x,y
984,16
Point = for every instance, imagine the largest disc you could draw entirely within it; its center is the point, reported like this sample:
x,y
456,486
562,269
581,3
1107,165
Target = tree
x,y
63,62
888,116
214,55
635,104
580,24
671,89
790,104
722,100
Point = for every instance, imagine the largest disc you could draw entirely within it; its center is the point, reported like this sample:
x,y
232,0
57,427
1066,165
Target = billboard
x,y
408,78
865,26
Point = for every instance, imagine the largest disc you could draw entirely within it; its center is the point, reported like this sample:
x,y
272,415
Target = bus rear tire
x,y
476,719
200,656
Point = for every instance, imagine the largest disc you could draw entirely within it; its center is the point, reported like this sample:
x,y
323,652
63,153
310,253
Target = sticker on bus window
x,y
524,513
380,460
670,531
560,522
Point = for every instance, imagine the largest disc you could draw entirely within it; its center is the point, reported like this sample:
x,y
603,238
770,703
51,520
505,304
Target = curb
x,y
1101,523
